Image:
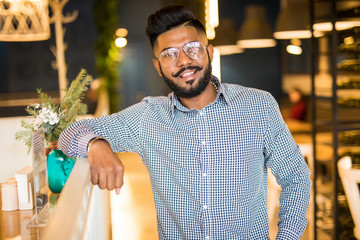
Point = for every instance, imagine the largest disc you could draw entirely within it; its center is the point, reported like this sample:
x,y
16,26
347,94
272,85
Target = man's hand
x,y
106,169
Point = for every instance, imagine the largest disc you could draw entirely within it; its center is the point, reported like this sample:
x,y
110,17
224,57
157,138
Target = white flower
x,y
37,122
49,116
53,118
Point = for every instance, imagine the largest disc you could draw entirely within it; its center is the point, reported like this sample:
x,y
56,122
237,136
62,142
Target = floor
x,y
133,211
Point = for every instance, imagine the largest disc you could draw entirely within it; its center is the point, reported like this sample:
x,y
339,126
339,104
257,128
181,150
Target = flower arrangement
x,y
55,118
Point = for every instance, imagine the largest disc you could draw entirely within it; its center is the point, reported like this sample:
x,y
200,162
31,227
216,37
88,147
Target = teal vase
x,y
59,167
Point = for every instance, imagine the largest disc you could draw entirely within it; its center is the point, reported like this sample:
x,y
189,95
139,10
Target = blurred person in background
x,y
298,110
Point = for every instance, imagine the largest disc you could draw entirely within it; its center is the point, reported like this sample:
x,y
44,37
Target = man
x,y
207,145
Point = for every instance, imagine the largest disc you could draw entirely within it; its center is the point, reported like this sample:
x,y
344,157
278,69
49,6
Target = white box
x,y
24,178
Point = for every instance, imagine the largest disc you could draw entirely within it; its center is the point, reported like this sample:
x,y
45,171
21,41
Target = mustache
x,y
198,68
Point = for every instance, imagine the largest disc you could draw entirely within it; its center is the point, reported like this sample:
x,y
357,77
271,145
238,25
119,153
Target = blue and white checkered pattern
x,y
208,167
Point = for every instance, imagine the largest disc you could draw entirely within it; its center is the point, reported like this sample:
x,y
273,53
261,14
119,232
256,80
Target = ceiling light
x,y
26,20
293,20
225,40
347,15
120,42
255,32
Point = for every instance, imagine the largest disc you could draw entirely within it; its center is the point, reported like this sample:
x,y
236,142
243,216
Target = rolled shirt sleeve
x,y
120,130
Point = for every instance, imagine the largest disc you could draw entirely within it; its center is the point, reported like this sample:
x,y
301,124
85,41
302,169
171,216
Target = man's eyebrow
x,y
179,48
167,49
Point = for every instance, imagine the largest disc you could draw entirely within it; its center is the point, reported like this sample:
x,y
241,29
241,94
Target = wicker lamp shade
x,y
24,20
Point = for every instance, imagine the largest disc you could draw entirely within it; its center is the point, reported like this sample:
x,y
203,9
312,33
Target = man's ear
x,y
157,66
210,49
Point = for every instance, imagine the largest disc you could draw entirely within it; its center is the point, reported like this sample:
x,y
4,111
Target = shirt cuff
x,y
83,144
93,140
286,234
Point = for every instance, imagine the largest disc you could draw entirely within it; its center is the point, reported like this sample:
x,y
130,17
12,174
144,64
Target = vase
x,y
59,167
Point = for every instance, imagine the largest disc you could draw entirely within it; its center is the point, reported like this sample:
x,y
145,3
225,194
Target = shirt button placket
x,y
203,131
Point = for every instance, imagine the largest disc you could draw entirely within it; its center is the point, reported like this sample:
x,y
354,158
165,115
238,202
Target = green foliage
x,y
107,54
53,118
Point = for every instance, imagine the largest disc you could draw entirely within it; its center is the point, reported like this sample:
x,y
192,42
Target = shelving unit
x,y
335,115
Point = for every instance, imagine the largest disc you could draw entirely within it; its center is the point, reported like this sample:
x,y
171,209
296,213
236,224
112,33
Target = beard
x,y
195,90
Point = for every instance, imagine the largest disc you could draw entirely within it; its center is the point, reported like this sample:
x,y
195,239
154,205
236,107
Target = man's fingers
x,y
102,180
106,168
110,180
94,176
119,178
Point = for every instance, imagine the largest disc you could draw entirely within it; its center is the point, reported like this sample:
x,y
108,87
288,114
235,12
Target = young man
x,y
207,145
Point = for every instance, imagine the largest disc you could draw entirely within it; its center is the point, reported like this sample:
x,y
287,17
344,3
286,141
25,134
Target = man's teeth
x,y
187,74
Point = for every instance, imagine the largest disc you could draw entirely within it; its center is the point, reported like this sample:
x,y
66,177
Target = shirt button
x,y
205,206
203,142
207,237
201,113
204,174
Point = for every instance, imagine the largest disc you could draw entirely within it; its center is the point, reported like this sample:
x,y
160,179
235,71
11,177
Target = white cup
x,y
9,195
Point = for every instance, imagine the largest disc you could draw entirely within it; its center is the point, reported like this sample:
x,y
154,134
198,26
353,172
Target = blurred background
x,y
26,66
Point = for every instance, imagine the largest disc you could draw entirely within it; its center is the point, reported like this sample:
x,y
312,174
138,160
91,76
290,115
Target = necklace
x,y
215,86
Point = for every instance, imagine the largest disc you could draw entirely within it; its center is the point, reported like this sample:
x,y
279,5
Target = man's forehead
x,y
177,37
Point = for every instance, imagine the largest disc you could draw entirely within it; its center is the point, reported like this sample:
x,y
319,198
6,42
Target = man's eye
x,y
192,49
169,54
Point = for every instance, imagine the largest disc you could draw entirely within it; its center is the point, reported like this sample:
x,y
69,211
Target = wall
x,y
137,74
259,68
14,154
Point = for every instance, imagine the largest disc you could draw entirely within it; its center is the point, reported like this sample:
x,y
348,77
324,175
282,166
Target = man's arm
x,y
106,169
99,138
286,162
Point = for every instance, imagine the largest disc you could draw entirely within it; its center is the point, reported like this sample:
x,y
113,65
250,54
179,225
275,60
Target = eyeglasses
x,y
170,56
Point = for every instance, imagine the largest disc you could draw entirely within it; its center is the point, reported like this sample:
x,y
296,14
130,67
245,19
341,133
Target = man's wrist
x,y
91,142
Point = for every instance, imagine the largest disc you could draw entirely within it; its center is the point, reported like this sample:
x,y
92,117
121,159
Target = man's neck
x,y
202,100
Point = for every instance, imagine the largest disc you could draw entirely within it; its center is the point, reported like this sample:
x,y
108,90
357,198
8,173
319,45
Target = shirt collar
x,y
175,103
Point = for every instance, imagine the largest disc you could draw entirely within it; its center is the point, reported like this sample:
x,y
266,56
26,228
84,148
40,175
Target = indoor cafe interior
x,y
84,59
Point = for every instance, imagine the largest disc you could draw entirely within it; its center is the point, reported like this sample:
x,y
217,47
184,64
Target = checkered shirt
x,y
208,167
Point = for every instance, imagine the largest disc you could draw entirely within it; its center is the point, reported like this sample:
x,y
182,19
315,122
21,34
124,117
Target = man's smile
x,y
188,74
185,71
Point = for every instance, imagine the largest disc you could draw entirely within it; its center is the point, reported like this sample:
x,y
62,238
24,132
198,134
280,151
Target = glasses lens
x,y
169,57
194,50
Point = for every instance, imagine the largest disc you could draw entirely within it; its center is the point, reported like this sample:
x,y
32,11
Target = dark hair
x,y
168,18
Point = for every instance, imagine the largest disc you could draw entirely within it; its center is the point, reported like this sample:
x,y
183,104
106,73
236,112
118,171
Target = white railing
x,y
82,210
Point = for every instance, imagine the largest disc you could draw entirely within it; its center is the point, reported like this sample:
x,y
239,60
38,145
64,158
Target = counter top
x,y
13,224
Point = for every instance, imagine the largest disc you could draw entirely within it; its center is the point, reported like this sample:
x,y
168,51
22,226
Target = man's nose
x,y
184,59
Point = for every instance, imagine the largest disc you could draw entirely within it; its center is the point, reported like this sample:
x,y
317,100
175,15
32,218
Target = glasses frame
x,y
178,53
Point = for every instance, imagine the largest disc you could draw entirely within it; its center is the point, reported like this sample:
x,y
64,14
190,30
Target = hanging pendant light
x,y
225,40
293,20
347,15
255,32
24,20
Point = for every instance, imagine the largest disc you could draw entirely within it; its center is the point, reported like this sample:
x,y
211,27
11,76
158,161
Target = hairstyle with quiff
x,y
169,17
